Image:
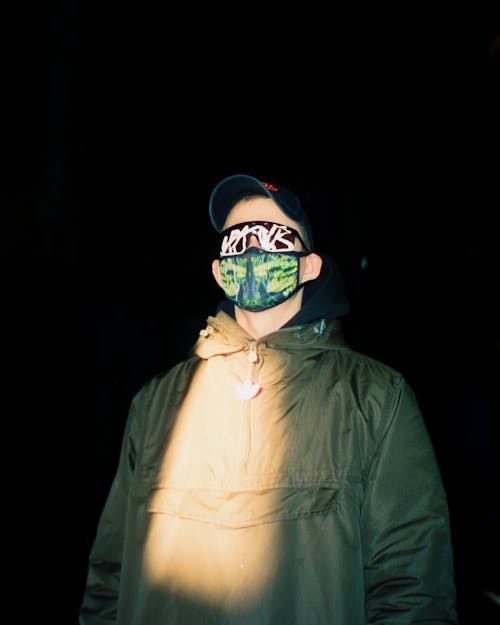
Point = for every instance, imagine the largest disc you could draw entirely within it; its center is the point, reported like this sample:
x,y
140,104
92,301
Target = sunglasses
x,y
272,237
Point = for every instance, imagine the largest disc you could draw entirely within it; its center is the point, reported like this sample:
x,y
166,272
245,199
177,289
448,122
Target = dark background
x,y
120,121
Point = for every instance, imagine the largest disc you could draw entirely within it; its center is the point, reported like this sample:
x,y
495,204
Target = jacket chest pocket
x,y
243,508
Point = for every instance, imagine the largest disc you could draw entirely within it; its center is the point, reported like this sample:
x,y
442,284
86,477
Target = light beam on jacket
x,y
211,533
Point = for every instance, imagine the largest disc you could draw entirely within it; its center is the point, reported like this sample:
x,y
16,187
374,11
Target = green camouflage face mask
x,y
257,280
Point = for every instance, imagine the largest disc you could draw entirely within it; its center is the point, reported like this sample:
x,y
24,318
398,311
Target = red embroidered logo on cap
x,y
269,186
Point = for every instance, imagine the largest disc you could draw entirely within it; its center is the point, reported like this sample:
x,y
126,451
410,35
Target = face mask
x,y
257,280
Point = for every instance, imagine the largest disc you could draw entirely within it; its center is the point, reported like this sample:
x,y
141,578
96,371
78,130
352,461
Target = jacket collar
x,y
223,336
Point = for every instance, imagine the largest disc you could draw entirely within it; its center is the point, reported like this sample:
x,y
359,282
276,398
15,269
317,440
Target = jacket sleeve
x,y
100,597
409,574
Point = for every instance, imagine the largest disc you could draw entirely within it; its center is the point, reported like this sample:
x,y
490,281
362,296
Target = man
x,y
275,476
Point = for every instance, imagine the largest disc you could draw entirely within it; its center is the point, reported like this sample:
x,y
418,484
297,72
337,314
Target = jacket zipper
x,y
254,388
249,388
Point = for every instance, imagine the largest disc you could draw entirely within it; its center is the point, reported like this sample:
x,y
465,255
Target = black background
x,y
119,122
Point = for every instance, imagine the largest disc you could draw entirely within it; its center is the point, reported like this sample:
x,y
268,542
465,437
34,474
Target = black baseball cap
x,y
233,188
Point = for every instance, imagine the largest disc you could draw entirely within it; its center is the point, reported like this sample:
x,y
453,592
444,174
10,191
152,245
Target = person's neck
x,y
265,322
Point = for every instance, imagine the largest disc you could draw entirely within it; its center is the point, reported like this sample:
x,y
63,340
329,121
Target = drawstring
x,y
206,331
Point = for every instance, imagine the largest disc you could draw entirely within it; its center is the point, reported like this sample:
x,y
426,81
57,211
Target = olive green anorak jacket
x,y
287,480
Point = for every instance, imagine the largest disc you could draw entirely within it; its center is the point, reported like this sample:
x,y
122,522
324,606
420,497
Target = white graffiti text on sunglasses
x,y
272,238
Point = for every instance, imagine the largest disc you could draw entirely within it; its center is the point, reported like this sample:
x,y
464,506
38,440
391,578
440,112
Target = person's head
x,y
265,246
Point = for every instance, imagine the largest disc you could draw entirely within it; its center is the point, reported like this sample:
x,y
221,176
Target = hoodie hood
x,y
324,298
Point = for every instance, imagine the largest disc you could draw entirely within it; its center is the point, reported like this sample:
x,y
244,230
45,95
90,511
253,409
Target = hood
x,y
324,298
